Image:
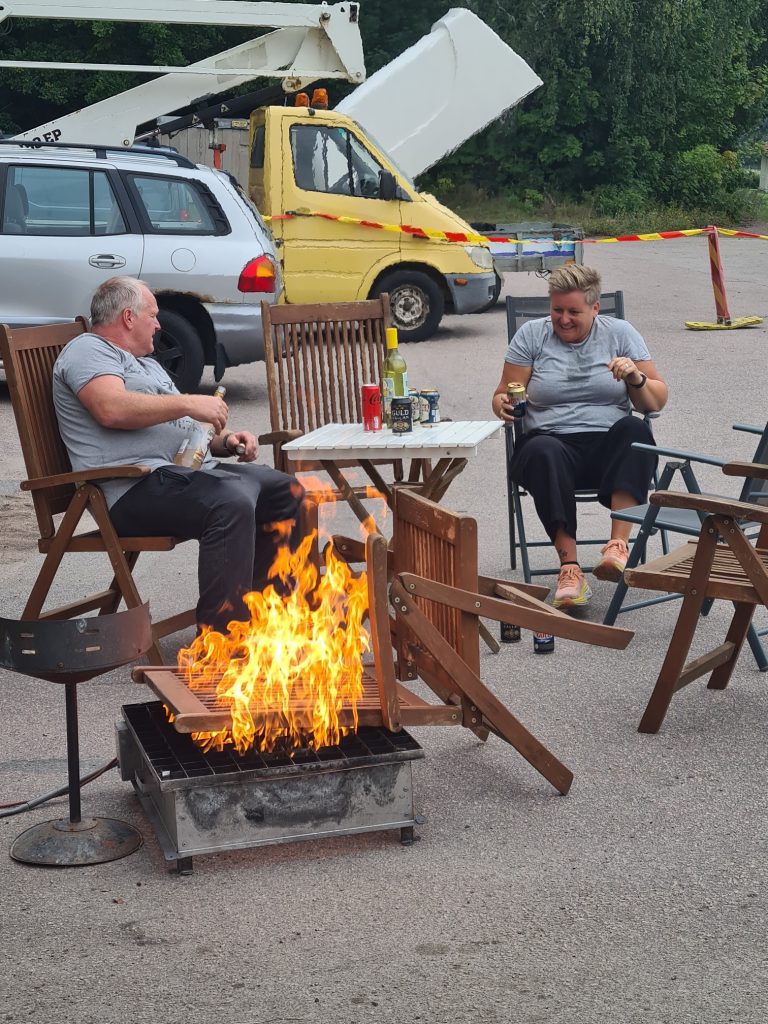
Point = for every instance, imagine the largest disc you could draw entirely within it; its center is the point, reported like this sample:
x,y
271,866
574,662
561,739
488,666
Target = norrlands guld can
x,y
516,398
371,402
402,415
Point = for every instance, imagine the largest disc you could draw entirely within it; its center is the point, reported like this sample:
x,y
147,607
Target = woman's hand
x,y
625,370
502,408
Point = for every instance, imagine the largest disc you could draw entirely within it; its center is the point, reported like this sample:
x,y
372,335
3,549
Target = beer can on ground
x,y
509,633
371,402
430,407
543,643
516,398
402,415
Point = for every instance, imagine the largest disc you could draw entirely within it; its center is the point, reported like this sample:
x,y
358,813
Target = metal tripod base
x,y
66,844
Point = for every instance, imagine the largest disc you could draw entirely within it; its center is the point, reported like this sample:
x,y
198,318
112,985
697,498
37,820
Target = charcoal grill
x,y
214,802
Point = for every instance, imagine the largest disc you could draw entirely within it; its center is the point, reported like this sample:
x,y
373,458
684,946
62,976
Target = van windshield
x,y
401,173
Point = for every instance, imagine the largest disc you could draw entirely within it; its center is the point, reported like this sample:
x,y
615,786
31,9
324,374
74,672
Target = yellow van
x,y
307,161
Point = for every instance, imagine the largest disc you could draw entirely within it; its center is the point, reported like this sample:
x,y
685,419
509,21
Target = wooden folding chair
x,y
28,356
437,597
722,564
317,358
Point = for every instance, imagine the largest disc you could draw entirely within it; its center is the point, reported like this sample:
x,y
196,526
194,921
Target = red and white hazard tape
x,y
476,239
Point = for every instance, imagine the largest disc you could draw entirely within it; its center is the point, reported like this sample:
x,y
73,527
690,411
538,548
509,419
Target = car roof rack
x,y
101,151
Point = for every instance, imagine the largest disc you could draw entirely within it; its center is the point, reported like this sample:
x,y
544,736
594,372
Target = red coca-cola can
x,y
371,396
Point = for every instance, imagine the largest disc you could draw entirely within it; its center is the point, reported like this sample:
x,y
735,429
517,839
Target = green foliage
x,y
641,103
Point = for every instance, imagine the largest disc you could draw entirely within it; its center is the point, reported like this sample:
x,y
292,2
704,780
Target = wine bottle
x,y
394,376
194,447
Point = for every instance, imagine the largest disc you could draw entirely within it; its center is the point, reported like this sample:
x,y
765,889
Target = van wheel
x,y
179,350
415,301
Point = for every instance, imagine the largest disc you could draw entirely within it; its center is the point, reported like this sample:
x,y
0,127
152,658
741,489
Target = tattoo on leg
x,y
562,553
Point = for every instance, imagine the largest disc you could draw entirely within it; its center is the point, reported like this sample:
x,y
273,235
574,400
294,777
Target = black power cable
x,y
19,807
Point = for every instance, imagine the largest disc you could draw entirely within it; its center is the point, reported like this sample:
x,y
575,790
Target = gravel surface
x,y
639,897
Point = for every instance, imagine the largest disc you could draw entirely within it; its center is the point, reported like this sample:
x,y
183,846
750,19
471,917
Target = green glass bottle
x,y
394,376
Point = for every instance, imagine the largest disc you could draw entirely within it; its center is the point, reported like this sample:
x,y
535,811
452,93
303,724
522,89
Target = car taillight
x,y
258,275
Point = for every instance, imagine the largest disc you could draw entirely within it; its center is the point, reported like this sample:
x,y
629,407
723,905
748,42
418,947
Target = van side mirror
x,y
387,185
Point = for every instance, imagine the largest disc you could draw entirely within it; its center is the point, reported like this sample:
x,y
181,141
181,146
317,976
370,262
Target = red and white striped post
x,y
718,277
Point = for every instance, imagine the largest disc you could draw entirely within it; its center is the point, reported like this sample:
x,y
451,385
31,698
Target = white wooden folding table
x,y
450,443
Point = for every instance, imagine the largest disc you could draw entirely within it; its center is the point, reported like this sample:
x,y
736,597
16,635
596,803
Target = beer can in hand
x,y
516,398
371,402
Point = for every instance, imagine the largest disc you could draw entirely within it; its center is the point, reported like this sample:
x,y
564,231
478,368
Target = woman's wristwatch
x,y
643,379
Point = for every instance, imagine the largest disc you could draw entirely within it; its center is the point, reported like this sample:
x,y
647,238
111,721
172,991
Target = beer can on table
x,y
543,643
516,398
430,407
413,394
371,402
402,415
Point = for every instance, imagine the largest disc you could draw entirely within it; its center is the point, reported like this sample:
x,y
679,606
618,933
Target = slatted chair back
x,y
28,356
441,545
317,358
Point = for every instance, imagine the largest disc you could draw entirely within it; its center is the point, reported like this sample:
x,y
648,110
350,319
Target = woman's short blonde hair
x,y
574,278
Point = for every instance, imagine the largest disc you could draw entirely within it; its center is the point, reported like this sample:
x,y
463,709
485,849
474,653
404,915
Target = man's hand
x,y
208,409
246,439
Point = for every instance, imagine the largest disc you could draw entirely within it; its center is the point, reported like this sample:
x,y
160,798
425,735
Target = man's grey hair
x,y
573,278
114,295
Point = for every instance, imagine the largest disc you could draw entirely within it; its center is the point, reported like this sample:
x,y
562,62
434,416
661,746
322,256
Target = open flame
x,y
288,671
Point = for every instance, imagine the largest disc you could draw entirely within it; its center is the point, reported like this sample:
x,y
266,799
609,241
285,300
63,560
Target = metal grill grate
x,y
174,755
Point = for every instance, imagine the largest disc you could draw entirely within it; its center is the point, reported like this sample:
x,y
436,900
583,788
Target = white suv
x,y
73,216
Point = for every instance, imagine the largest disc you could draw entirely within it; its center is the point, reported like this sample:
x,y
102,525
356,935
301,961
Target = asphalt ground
x,y
639,897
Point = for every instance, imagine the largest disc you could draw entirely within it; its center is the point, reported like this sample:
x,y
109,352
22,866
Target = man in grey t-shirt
x,y
583,375
116,406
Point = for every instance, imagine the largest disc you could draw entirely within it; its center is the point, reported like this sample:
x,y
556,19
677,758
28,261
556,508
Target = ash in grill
x,y
211,802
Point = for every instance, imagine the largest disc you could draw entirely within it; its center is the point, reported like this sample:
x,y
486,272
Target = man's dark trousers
x,y
227,509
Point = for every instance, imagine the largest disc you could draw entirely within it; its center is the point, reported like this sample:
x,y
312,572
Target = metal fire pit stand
x,y
70,651
200,803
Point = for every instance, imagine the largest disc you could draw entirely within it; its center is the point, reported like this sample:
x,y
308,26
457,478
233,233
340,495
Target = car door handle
x,y
105,261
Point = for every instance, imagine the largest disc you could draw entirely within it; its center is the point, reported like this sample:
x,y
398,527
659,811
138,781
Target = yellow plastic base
x,y
734,325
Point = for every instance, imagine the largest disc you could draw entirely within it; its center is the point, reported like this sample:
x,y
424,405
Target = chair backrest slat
x,y
28,356
318,356
531,307
433,542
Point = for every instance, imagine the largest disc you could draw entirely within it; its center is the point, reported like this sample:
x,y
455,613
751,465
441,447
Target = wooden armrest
x,y
758,470
348,549
712,504
491,586
84,476
279,436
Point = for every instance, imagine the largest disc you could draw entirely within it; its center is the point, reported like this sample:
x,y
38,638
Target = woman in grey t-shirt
x,y
584,374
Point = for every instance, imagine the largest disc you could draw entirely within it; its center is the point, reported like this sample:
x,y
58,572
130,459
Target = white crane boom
x,y
312,41
441,91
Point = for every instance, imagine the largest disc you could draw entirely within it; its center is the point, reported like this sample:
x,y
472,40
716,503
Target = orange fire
x,y
289,671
